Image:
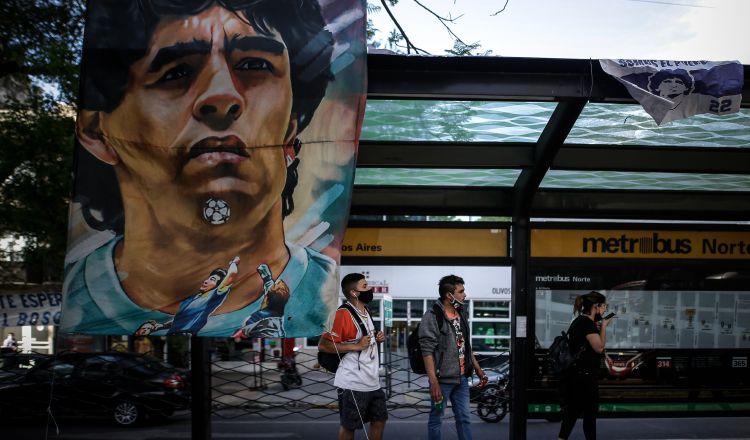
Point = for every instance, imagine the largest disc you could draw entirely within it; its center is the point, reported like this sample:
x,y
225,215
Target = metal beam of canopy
x,y
431,154
643,204
561,203
488,78
653,159
431,200
468,155
565,115
493,78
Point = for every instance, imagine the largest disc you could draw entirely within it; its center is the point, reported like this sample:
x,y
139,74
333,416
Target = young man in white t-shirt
x,y
361,400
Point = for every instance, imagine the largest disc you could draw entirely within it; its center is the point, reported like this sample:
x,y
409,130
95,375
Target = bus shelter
x,y
540,140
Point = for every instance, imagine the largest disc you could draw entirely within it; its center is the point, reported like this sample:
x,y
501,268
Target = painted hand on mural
x,y
268,321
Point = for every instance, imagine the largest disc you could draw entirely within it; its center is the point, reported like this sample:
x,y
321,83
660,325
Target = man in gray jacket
x,y
446,348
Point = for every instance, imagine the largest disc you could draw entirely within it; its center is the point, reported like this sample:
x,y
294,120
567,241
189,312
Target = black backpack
x,y
560,357
331,361
416,361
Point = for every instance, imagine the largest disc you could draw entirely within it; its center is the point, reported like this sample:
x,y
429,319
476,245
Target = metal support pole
x,y
388,360
200,385
519,343
522,305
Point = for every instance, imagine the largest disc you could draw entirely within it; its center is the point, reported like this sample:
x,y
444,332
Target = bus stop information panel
x,y
681,340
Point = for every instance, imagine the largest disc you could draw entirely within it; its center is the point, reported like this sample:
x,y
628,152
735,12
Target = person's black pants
x,y
579,393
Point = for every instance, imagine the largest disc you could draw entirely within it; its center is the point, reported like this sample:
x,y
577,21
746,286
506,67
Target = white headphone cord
x,y
354,398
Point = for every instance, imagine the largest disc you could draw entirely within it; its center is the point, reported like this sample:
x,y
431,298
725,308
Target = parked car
x,y
125,387
14,365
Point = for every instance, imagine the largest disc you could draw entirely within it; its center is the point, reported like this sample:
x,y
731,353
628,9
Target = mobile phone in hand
x,y
609,316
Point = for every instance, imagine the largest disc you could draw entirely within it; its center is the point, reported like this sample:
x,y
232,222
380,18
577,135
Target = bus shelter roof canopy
x,y
542,138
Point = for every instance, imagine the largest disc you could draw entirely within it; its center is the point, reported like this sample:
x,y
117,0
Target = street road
x,y
298,426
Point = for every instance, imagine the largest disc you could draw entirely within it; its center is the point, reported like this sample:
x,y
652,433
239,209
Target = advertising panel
x,y
682,323
425,242
215,153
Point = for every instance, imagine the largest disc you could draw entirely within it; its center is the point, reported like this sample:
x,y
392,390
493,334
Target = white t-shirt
x,y
358,370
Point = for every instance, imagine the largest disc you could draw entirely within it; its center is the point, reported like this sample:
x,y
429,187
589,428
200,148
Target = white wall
x,y
482,282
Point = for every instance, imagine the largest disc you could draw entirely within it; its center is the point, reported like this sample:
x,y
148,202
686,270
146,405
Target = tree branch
x,y
442,20
400,29
504,6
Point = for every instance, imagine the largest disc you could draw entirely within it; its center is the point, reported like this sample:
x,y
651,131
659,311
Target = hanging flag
x,y
215,156
671,90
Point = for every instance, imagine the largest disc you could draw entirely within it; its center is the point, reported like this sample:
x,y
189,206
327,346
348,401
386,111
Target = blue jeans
x,y
459,397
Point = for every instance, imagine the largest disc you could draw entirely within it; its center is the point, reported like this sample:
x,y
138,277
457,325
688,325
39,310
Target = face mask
x,y
365,296
456,303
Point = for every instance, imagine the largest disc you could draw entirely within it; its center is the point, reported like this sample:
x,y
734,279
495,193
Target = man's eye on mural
x,y
176,73
254,64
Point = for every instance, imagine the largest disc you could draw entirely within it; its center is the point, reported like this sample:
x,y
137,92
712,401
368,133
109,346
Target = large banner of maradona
x,y
214,166
671,90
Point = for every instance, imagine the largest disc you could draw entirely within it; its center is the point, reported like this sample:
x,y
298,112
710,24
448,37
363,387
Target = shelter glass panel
x,y
436,177
628,124
456,121
491,309
645,181
479,328
490,344
403,308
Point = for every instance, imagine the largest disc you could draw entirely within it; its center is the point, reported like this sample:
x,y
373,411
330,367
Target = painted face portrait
x,y
213,135
671,87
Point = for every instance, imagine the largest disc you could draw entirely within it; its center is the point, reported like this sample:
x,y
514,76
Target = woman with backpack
x,y
579,388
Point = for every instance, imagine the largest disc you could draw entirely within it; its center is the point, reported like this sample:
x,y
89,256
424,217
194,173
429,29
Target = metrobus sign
x,y
652,244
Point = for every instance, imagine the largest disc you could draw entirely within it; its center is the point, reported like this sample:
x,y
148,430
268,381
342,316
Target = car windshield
x,y
498,362
144,366
151,363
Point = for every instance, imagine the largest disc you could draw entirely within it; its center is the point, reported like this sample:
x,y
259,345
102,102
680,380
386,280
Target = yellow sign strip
x,y
425,242
652,244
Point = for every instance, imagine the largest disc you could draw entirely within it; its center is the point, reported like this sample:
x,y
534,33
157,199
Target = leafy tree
x,y
40,40
40,44
461,49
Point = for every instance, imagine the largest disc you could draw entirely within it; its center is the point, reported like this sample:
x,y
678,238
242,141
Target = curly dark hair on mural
x,y
680,76
117,35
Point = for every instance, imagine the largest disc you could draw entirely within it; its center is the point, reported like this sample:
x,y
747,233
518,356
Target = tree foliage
x,y
40,44
41,40
461,49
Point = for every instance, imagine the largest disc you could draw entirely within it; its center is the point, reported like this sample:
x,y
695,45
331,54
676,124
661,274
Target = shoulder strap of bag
x,y
439,316
357,319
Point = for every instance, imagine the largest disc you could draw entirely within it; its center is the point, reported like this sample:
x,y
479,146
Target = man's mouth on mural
x,y
219,150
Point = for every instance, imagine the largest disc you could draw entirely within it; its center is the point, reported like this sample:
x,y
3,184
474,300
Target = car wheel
x,y
493,404
126,413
